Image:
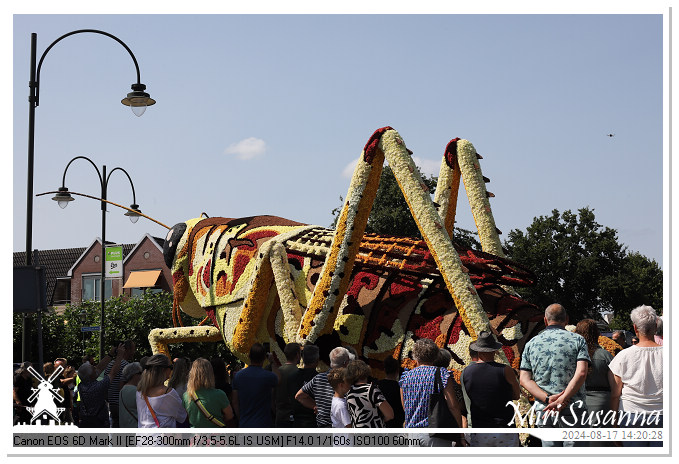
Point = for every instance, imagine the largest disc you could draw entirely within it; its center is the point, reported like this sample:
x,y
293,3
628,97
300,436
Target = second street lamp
x,y
138,100
63,197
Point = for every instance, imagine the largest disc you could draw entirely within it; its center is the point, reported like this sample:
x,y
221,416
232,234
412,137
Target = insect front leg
x,y
291,308
245,323
160,339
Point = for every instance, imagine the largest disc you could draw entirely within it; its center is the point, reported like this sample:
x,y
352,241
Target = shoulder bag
x,y
438,413
205,412
133,414
153,413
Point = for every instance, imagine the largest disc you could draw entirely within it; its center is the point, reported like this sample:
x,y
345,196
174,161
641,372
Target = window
x,y
62,291
92,288
139,291
143,280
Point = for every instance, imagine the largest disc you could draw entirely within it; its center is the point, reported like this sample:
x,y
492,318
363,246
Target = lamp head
x,y
133,215
138,100
63,197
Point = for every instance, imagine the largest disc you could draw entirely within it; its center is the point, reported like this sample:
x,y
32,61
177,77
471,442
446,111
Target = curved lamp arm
x,y
134,196
101,180
36,101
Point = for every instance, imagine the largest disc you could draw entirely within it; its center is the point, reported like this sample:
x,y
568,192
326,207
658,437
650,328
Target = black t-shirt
x,y
226,388
489,392
392,392
23,387
304,417
289,384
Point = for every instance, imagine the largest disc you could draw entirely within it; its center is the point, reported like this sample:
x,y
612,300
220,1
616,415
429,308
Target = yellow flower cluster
x,y
609,345
335,276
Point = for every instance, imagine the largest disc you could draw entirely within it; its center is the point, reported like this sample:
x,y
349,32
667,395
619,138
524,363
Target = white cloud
x,y
247,149
348,170
427,167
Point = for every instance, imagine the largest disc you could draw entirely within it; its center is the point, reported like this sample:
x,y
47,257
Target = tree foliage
x,y
580,264
132,318
391,215
639,282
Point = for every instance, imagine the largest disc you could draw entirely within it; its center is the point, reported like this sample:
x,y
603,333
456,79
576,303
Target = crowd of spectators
x,y
570,378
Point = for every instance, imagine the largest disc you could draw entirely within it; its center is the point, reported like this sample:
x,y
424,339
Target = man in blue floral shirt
x,y
553,369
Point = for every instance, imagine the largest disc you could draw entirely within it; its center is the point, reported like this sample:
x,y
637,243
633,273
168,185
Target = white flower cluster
x,y
446,194
478,198
448,261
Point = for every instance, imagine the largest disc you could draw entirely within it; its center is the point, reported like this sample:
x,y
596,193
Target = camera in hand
x,y
116,344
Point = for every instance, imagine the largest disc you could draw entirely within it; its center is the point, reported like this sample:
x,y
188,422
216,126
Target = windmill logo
x,y
45,393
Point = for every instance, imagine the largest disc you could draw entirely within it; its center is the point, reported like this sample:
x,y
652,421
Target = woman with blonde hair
x,y
206,405
180,375
158,405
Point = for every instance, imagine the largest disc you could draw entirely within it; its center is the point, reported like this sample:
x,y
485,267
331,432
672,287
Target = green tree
x,y
639,282
126,318
390,214
580,264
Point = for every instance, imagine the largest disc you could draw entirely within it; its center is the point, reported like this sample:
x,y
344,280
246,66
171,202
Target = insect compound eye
x,y
171,241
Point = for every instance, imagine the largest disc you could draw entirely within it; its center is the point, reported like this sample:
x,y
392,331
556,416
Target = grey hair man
x,y
553,369
317,393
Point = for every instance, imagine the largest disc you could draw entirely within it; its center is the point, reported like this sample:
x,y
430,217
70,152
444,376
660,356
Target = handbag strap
x,y
205,412
438,383
128,409
153,413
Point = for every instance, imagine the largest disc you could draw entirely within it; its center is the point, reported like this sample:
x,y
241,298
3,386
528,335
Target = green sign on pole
x,y
114,262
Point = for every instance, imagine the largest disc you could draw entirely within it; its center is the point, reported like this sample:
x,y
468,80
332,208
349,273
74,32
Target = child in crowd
x,y
339,413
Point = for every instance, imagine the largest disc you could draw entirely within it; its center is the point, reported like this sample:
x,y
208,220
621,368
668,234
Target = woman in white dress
x,y
637,378
158,405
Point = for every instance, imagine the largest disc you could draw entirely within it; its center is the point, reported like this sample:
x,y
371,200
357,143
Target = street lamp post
x,y
83,321
63,197
138,100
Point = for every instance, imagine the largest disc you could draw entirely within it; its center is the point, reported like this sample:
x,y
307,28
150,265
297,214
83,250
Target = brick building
x,y
74,274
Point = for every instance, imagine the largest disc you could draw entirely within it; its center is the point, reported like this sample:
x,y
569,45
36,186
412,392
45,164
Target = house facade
x,y
73,275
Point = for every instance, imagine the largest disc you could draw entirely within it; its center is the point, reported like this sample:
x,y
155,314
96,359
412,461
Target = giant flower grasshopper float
x,y
269,279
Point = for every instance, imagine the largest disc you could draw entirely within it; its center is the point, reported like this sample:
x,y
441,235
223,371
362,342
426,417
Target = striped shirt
x,y
320,390
113,390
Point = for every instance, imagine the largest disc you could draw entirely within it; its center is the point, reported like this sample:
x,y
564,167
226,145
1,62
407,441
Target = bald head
x,y
556,314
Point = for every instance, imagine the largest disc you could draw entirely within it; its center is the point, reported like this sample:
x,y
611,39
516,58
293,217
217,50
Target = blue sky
x,y
263,114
